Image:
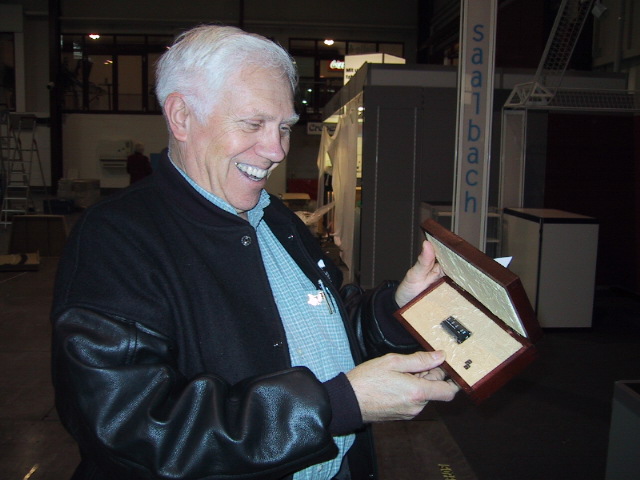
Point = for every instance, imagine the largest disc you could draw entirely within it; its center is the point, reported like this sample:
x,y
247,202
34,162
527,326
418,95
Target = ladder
x,y
6,148
19,154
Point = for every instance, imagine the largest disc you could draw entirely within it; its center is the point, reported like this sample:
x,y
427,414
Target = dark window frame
x,y
79,47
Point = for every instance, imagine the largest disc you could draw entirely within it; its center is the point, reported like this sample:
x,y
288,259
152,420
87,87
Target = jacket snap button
x,y
246,240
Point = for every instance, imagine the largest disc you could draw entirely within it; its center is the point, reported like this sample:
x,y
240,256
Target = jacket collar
x,y
180,195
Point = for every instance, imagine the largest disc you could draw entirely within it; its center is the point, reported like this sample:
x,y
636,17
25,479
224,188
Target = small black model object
x,y
456,329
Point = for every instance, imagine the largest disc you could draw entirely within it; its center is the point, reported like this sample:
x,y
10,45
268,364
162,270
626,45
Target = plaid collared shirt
x,y
312,322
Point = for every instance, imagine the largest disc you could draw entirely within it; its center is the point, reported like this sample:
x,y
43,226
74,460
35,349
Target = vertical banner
x,y
475,110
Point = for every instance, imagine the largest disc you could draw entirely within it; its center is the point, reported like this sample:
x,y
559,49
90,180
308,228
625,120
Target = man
x,y
138,164
198,329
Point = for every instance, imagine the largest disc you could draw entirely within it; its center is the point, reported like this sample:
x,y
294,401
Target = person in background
x,y
199,331
138,164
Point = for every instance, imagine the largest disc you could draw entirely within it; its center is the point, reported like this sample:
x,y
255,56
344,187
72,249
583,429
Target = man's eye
x,y
253,125
285,130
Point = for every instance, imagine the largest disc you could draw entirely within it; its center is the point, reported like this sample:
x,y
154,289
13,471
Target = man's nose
x,y
273,145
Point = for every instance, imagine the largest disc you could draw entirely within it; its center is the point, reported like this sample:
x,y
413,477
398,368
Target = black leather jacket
x,y
169,358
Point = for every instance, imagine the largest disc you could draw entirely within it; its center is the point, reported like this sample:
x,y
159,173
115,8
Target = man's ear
x,y
178,116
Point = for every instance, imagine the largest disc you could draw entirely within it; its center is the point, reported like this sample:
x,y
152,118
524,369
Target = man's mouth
x,y
253,173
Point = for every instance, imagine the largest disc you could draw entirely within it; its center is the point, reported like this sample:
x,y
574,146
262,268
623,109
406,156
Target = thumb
x,y
422,274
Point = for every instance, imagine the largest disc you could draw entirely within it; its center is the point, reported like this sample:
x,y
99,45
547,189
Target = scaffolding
x,y
564,35
545,92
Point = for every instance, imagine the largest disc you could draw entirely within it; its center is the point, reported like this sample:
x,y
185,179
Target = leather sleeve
x,y
122,398
371,316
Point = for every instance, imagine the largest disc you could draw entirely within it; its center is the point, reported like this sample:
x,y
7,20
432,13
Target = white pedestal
x,y
554,254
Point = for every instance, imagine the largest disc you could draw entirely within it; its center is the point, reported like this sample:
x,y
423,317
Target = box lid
x,y
493,285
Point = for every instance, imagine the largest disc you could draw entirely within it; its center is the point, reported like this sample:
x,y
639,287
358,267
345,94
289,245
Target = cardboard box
x,y
45,234
58,206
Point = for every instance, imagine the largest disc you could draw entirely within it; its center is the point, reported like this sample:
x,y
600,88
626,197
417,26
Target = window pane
x,y
130,40
100,82
71,78
327,89
152,102
306,66
130,82
302,47
158,43
332,68
100,44
130,44
361,48
306,93
69,43
163,40
7,72
395,49
334,50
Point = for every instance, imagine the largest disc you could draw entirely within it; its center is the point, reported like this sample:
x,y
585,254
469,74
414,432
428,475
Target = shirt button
x,y
246,240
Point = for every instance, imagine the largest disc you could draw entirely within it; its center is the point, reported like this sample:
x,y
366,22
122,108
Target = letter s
x,y
477,29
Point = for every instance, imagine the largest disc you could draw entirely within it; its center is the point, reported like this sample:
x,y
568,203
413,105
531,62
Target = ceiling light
x,y
329,42
94,36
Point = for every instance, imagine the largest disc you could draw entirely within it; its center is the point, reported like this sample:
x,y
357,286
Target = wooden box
x,y
478,313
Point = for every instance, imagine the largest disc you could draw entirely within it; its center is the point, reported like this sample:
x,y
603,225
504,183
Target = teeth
x,y
254,173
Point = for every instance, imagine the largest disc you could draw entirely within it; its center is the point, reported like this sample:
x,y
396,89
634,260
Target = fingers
x,y
396,387
443,391
435,386
422,274
435,374
416,362
426,259
424,264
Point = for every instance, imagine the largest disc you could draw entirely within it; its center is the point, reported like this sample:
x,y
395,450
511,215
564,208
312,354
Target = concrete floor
x,y
34,446
552,422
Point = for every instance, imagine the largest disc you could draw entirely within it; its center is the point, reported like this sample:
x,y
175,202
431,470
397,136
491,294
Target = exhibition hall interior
x,y
505,131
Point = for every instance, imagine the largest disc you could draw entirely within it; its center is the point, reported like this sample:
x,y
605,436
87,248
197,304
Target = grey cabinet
x,y
407,155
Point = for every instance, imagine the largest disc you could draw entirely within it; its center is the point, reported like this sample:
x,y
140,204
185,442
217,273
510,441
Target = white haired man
x,y
199,331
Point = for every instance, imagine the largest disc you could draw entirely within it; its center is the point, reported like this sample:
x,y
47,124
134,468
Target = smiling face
x,y
232,152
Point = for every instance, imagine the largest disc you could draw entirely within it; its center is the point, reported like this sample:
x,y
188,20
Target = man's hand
x,y
397,387
423,273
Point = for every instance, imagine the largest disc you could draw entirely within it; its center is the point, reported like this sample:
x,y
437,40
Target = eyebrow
x,y
293,119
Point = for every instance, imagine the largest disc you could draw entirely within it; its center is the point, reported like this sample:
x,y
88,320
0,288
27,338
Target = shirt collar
x,y
254,215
